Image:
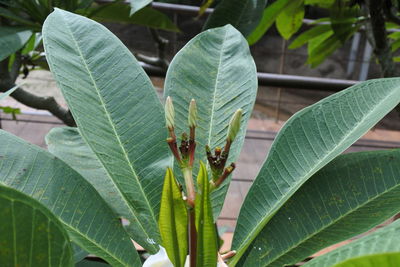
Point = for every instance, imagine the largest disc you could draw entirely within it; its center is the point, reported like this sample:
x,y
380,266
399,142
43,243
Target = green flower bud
x,y
234,125
169,113
192,114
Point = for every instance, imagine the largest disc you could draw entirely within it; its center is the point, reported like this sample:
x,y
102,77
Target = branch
x,y
390,13
381,48
7,81
46,103
161,44
16,66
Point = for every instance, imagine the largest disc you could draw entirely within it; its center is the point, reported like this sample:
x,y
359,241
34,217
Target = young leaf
x,y
123,121
207,241
268,18
227,82
308,141
244,15
310,34
382,241
89,221
12,39
290,19
173,221
321,50
347,197
67,144
30,235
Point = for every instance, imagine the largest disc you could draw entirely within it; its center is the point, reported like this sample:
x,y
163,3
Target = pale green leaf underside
x,y
216,69
67,144
89,221
12,39
173,221
384,240
244,15
117,111
349,196
30,235
138,4
307,142
8,92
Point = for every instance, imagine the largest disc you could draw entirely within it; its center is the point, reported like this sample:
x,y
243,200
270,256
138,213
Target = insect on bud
x,y
234,125
192,114
169,113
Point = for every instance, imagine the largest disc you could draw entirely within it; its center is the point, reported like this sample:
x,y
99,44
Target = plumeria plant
x,y
186,219
168,185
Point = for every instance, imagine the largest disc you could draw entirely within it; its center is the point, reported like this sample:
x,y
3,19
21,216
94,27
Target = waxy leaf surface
x,y
30,235
347,197
216,69
90,223
307,142
117,112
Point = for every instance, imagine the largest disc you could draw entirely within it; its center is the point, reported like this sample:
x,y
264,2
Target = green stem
x,y
191,194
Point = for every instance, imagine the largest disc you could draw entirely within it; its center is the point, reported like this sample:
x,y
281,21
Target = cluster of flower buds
x,y
184,154
218,160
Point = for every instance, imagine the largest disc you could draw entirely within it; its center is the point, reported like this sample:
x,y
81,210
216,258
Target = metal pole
x,y
281,80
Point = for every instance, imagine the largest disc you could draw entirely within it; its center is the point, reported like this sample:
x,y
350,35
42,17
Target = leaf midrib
x,y
70,228
333,222
215,89
118,138
256,230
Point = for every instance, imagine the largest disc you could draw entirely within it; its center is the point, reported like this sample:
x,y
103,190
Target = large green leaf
x,y
12,39
147,16
89,221
349,196
117,111
207,242
173,221
268,18
30,235
216,69
244,15
67,144
138,4
379,260
384,240
306,143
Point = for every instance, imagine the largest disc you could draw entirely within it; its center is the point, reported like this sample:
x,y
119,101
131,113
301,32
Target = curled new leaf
x,y
173,221
207,242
